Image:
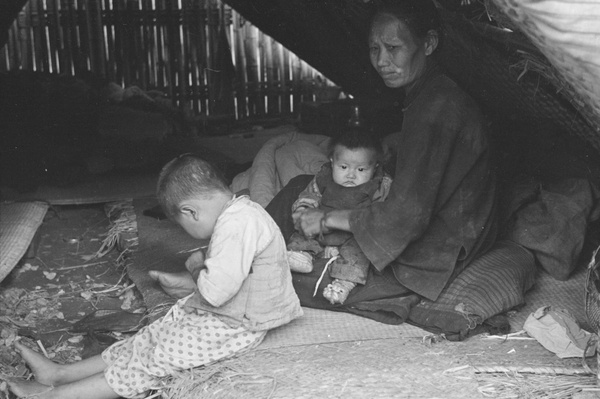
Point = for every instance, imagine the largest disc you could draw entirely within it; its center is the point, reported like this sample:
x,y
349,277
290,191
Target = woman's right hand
x,y
308,221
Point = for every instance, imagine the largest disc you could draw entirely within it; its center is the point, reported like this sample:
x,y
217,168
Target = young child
x,y
353,179
242,288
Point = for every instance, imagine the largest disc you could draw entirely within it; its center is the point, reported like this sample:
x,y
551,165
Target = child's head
x,y
191,192
354,156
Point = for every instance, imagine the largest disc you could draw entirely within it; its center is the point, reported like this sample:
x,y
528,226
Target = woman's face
x,y
397,55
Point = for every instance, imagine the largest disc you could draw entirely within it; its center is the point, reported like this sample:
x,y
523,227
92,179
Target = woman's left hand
x,y
309,221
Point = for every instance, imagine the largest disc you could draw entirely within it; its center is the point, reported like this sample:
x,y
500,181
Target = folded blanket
x,y
278,161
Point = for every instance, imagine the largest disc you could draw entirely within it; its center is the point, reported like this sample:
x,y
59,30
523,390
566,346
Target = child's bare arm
x,y
195,263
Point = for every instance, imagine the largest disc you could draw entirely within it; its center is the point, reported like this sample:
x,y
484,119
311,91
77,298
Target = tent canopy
x,y
516,81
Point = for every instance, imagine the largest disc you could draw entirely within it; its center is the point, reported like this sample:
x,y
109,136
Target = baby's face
x,y
353,167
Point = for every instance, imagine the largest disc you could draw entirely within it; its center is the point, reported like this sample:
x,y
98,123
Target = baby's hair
x,y
356,138
187,176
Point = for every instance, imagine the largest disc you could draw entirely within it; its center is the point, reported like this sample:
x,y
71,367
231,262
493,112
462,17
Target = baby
x,y
232,296
353,179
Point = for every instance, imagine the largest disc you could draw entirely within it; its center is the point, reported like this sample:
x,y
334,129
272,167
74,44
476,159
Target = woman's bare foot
x,y
29,389
338,291
178,285
45,371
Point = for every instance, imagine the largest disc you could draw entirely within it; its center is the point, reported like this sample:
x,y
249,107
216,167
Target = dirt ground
x,y
62,282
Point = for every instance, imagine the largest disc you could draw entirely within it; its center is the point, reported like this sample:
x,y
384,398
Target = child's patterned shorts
x,y
179,341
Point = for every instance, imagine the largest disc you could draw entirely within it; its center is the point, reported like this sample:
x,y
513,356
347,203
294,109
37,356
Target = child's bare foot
x,y
338,291
45,371
29,389
178,285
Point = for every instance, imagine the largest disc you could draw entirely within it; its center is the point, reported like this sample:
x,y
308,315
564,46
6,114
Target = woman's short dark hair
x,y
420,16
357,138
187,176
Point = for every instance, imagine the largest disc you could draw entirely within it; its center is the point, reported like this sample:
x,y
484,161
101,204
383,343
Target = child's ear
x,y
189,212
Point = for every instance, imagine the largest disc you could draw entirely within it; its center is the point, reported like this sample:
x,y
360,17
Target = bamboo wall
x,y
200,53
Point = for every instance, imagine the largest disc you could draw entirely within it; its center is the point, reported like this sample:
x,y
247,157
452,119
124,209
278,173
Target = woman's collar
x,y
432,68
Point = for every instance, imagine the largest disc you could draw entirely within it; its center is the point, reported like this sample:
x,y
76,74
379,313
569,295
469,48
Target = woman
x,y
440,213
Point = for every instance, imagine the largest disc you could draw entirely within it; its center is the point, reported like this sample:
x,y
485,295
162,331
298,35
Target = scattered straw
x,y
123,230
531,370
219,380
519,335
42,348
80,266
532,386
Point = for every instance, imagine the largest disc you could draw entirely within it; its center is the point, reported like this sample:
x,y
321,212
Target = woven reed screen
x,y
200,53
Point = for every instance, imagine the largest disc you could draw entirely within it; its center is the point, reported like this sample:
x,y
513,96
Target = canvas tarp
x,y
529,74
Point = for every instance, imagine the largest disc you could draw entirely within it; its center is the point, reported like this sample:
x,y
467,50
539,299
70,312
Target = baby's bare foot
x,y
29,389
338,291
178,285
45,371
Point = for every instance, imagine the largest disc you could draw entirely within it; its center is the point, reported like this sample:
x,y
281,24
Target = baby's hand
x,y
195,263
330,251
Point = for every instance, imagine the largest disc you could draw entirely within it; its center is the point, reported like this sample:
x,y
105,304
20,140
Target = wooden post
x,y
4,66
296,77
278,75
241,92
4,57
182,59
285,80
118,32
145,24
24,37
211,36
153,36
85,30
52,36
136,46
72,37
192,39
271,73
37,26
170,52
13,38
162,51
98,37
252,52
109,32
59,41
130,58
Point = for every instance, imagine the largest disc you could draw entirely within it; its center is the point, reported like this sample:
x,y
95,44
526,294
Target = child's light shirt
x,y
246,279
238,236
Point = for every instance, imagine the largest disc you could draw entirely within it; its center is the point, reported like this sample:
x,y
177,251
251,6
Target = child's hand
x,y
177,285
195,263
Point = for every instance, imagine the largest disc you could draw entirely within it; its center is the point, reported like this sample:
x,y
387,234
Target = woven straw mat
x,y
18,223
